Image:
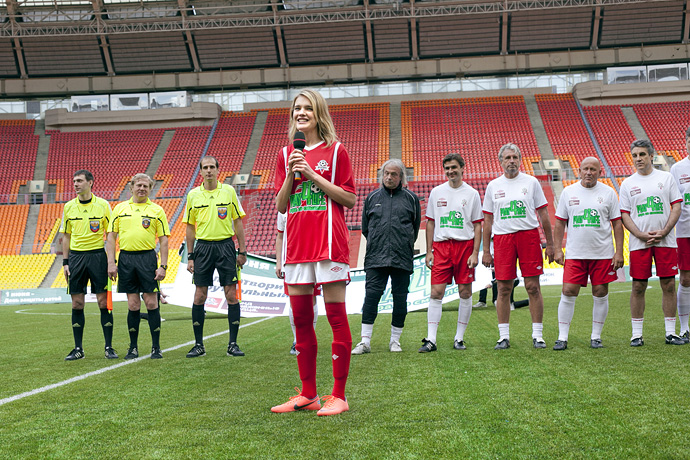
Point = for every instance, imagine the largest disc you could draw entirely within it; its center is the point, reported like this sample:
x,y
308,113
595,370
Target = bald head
x,y
590,169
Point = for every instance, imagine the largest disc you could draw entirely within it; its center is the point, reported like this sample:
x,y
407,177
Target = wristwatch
x,y
164,267
240,253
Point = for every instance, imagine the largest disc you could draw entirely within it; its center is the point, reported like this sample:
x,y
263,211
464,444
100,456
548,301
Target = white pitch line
x,y
110,368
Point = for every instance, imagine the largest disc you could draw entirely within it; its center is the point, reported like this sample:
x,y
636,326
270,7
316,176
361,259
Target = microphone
x,y
299,143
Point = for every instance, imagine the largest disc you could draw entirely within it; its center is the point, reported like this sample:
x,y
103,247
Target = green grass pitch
x,y
617,402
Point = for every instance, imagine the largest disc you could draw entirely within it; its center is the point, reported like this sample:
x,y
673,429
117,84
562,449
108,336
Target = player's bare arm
x,y
487,258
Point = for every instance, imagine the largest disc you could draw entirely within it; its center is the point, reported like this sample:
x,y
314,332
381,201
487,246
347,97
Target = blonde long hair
x,y
324,123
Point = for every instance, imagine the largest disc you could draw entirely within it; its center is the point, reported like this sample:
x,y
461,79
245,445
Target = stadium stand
x,y
180,160
613,135
49,217
113,155
665,123
565,128
12,226
26,271
18,147
473,127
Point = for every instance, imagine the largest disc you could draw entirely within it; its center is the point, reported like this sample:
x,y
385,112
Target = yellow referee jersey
x,y
213,212
86,223
138,225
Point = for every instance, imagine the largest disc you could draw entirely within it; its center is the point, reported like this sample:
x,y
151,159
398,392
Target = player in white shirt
x,y
453,236
280,260
681,173
511,204
650,207
590,210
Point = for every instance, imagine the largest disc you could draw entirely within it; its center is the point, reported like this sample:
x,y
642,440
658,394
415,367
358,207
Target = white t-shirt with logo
x,y
681,173
454,212
513,203
648,200
589,212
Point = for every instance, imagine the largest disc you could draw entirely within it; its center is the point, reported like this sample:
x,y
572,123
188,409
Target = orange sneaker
x,y
297,402
333,406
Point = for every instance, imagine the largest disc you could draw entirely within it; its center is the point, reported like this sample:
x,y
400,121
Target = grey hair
x,y
398,164
645,144
137,177
509,146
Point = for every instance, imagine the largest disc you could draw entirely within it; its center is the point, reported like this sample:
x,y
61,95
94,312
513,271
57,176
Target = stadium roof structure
x,y
206,44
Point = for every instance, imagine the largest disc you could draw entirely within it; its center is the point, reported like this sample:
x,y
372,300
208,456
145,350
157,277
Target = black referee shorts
x,y
215,255
85,266
136,272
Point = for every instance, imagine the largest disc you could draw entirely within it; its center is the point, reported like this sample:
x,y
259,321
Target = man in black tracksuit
x,y
390,223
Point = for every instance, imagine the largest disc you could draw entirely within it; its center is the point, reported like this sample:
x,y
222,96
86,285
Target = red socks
x,y
341,346
307,348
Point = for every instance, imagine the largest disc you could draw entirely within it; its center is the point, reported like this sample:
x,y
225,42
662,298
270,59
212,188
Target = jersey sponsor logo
x,y
307,197
588,218
322,166
635,191
499,194
95,225
441,203
684,179
574,201
515,210
222,213
454,219
686,199
145,222
654,205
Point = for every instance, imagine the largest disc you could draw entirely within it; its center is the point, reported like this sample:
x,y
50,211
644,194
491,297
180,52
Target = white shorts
x,y
317,273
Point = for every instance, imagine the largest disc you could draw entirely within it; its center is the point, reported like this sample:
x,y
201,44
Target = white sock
x,y
292,322
464,312
433,318
396,332
367,329
683,304
600,310
316,312
503,331
566,310
537,330
637,324
670,323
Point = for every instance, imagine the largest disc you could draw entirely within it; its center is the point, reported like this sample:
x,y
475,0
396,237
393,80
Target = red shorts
x,y
683,253
450,261
665,259
577,271
525,246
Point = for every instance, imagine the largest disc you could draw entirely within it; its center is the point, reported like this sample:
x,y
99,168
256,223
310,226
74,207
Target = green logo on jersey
x,y
307,197
686,199
654,205
453,220
515,210
589,218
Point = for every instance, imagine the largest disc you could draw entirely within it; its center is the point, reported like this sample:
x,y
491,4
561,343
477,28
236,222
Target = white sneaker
x,y
512,306
395,347
361,348
479,305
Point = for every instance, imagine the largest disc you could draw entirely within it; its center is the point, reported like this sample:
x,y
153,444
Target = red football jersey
x,y
316,228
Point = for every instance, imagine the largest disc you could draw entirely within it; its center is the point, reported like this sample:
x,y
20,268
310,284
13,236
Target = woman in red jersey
x,y
313,186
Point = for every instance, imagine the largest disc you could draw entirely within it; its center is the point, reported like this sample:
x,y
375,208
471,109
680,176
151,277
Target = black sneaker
x,y
75,354
502,344
538,342
196,351
427,346
293,349
156,353
234,350
673,339
459,345
685,336
560,345
132,353
637,342
596,343
110,353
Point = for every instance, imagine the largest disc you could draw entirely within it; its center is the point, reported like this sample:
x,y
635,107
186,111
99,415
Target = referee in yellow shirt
x,y
213,216
138,222
85,221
